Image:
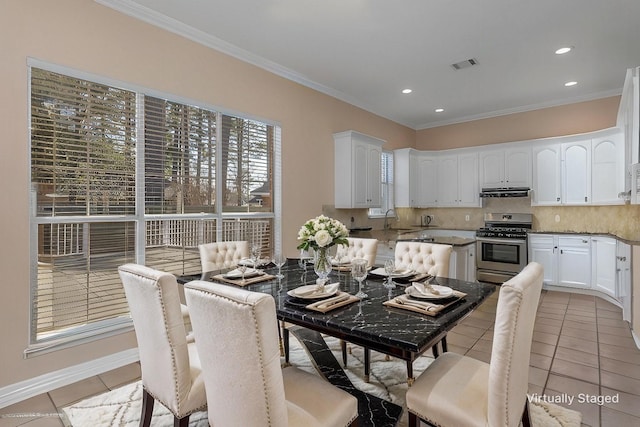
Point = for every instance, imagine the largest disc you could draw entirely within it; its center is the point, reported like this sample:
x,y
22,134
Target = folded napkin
x,y
262,277
425,307
340,300
317,289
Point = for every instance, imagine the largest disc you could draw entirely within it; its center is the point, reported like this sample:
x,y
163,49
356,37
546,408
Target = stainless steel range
x,y
501,246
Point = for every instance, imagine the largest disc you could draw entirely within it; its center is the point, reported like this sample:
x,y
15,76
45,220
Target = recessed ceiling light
x,y
570,84
407,90
563,50
439,110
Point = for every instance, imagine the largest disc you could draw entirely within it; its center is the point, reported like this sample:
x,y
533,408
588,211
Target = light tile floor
x,y
580,345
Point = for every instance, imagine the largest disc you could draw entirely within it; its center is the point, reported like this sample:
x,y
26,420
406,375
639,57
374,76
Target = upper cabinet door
x,y
426,190
607,177
492,169
468,180
509,167
357,168
448,181
576,173
517,167
546,175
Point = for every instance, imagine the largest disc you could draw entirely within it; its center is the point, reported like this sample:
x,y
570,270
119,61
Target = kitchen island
x,y
462,265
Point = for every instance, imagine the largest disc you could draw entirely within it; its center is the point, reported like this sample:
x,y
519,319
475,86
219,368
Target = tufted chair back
x,y
358,248
430,258
237,335
219,255
511,350
170,366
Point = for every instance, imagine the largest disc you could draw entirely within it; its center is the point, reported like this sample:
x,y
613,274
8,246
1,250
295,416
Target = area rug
x,y
121,407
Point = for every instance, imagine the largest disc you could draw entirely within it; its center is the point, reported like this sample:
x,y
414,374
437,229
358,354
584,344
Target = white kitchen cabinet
x,y
581,171
576,172
357,170
574,261
542,249
607,169
462,264
566,259
457,180
509,167
604,264
426,192
415,177
468,188
447,181
623,278
546,183
405,176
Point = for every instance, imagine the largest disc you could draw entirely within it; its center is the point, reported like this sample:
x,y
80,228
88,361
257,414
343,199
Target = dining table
x,y
375,322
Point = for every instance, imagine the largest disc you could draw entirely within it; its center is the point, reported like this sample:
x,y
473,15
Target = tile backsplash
x,y
619,220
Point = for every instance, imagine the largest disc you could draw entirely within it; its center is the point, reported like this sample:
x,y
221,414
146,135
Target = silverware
x,y
333,301
420,305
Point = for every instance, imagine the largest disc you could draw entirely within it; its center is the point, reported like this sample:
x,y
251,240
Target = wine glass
x,y
389,268
255,253
243,269
359,269
279,260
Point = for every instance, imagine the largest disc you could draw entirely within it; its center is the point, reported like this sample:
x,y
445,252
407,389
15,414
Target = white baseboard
x,y
18,392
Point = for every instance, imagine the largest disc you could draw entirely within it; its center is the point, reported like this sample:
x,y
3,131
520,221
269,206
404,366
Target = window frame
x,y
388,196
98,330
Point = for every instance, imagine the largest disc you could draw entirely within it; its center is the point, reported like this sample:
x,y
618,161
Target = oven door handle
x,y
504,241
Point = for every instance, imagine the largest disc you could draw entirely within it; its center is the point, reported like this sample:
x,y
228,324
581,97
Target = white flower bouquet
x,y
322,232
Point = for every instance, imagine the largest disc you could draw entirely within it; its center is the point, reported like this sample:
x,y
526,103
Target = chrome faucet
x,y
386,219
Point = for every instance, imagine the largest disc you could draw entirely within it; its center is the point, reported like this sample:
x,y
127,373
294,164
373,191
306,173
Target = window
x,y
387,186
121,176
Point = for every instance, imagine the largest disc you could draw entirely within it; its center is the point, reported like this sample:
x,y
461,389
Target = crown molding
x,y
157,19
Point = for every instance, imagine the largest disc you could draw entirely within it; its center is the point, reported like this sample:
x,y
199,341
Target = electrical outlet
x,y
557,218
466,218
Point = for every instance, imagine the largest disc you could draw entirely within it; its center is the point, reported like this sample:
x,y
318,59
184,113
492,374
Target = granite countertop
x,y
632,241
443,240
413,234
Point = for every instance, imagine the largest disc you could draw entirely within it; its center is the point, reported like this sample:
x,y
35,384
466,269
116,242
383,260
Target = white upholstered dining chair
x,y
236,332
457,390
358,247
429,258
218,255
169,363
421,257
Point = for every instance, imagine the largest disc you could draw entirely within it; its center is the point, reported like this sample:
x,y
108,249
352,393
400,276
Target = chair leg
x,y
367,364
147,409
413,420
181,422
526,416
343,346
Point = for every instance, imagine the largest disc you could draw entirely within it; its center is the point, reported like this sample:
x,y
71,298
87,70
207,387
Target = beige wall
x,y
86,36
556,121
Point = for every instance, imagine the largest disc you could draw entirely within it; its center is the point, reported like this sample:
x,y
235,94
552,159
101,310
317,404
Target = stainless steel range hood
x,y
505,192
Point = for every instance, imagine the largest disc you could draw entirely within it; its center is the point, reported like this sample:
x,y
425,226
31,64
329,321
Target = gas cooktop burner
x,y
505,226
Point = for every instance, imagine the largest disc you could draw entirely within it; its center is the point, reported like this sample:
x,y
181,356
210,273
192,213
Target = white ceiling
x,y
366,51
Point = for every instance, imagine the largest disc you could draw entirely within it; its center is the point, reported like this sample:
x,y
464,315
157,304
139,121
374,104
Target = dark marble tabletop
x,y
390,330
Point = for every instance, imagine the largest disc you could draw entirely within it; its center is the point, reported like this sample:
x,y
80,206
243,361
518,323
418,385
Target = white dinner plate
x,y
237,274
398,273
443,292
305,292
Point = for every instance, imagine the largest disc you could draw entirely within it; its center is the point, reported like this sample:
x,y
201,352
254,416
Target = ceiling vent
x,y
465,64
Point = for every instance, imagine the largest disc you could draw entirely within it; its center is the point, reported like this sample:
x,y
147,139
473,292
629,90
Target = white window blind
x,y
90,215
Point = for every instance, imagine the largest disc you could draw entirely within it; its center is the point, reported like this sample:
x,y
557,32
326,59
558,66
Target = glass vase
x,y
322,264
